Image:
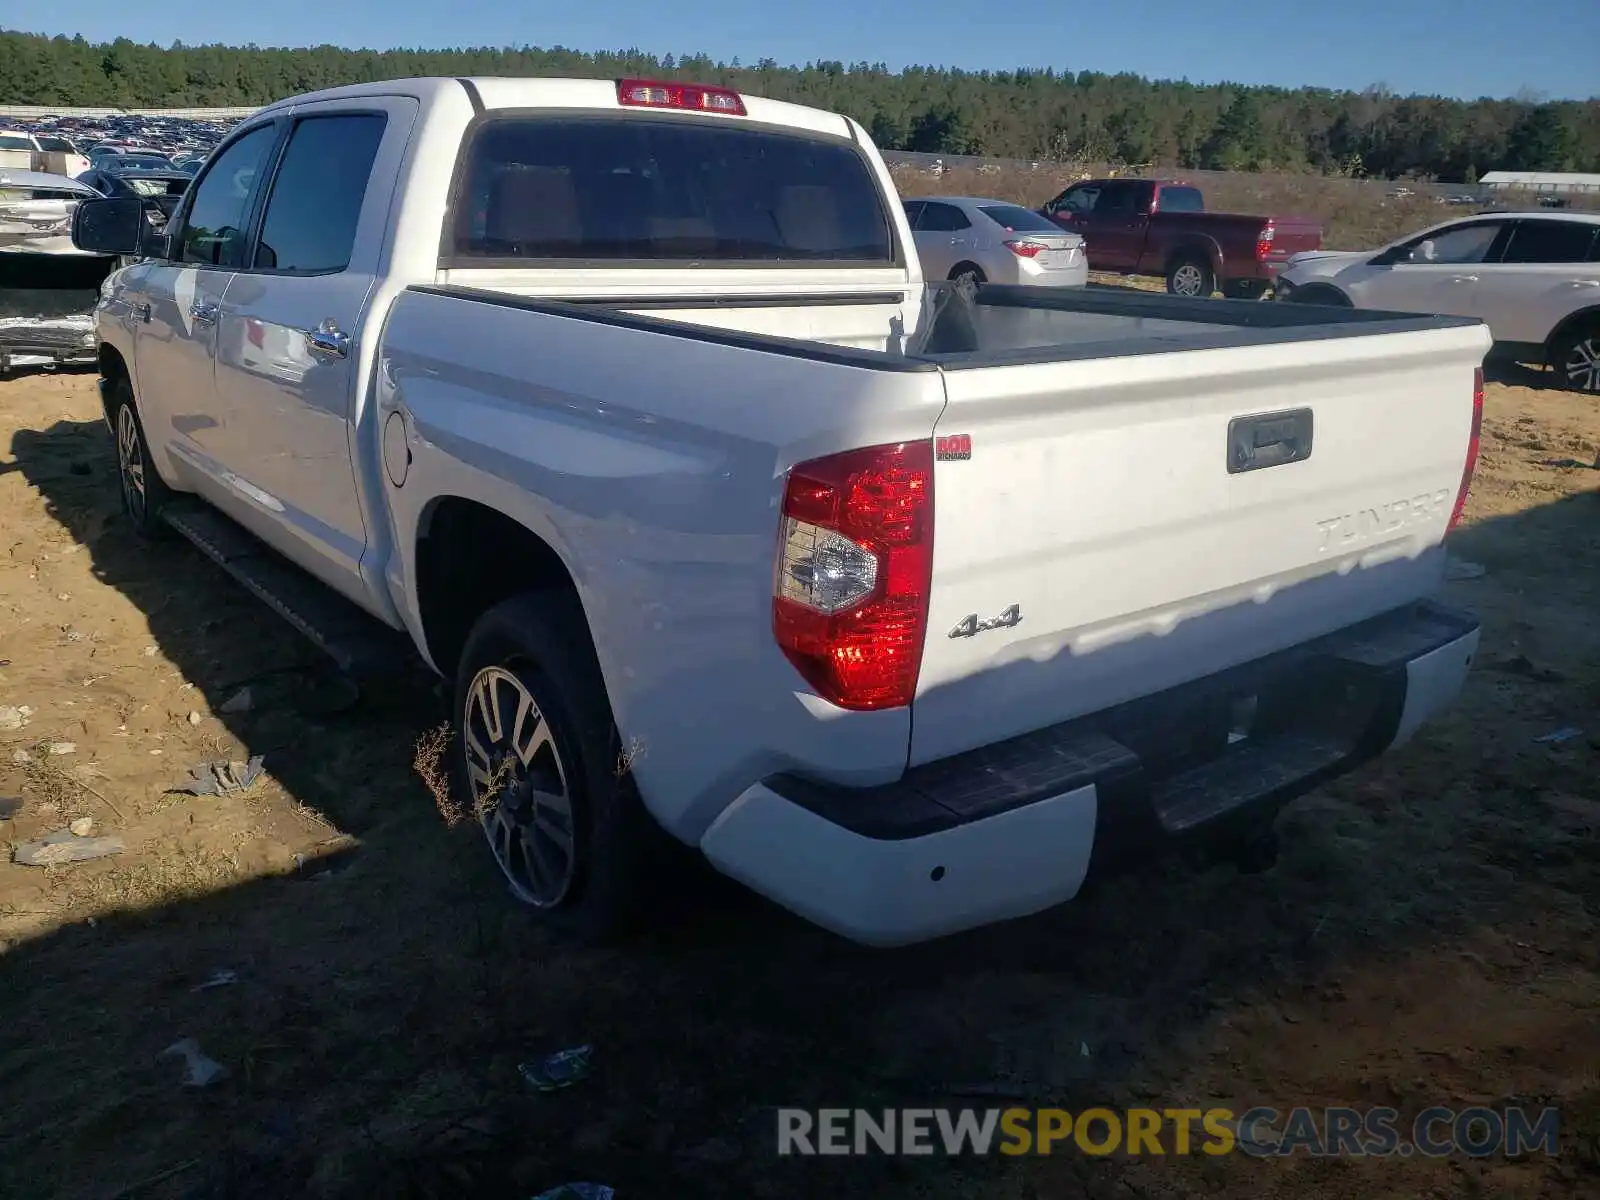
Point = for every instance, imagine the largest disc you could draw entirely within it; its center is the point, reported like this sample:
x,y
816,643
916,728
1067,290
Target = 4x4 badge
x,y
971,626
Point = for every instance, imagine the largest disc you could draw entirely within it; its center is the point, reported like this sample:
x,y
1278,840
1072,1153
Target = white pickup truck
x,y
626,403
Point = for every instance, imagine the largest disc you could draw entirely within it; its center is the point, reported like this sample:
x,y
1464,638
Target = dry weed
x,y
428,761
628,756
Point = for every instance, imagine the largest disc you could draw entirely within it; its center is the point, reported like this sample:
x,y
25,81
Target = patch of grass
x,y
160,877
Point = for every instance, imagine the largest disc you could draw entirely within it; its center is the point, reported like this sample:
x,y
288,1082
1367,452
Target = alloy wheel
x,y
519,787
1186,280
130,463
1582,365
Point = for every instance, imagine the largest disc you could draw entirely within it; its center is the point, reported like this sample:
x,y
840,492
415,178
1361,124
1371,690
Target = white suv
x,y
1534,278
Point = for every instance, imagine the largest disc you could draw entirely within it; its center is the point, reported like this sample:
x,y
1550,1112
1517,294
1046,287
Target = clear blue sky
x,y
1451,47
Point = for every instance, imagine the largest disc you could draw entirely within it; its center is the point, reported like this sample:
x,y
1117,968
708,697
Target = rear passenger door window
x,y
1551,242
315,203
216,227
942,218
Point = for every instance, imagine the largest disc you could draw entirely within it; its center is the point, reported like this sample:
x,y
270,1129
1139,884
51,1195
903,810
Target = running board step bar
x,y
359,644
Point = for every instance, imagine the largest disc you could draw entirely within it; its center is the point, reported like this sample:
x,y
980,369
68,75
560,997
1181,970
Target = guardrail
x,y
27,111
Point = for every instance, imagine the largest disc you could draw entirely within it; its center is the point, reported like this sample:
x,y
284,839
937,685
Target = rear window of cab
x,y
647,189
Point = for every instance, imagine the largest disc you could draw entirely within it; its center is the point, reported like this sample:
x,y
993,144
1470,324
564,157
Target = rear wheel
x,y
1191,276
537,754
967,273
143,492
1576,358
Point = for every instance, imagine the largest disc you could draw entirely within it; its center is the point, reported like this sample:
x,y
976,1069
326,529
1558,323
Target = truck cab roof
x,y
485,93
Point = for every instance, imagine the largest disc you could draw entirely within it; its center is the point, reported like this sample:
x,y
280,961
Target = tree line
x,y
1030,114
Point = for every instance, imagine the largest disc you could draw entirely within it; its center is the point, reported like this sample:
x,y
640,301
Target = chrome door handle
x,y
1463,279
1582,283
206,314
955,241
142,311
328,339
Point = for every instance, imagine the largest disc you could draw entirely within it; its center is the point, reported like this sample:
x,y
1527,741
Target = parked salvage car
x,y
992,241
36,211
1533,277
624,404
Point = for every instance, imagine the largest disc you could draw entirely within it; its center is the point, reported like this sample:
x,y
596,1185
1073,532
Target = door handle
x,y
1463,279
328,339
955,241
142,311
206,314
1583,283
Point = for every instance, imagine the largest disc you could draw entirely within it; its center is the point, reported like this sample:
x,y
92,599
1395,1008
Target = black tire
x,y
1191,276
617,850
1575,355
144,495
962,272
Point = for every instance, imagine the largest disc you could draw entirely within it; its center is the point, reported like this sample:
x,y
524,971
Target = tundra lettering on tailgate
x,y
1351,529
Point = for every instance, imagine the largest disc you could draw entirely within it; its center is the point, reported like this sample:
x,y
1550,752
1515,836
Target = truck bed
x,y
992,325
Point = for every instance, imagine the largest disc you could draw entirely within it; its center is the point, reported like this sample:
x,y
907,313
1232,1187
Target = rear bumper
x,y
1014,828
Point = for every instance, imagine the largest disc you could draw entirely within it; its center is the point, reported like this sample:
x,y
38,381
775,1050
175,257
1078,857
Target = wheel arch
x,y
1203,248
113,369
469,557
1321,287
1570,323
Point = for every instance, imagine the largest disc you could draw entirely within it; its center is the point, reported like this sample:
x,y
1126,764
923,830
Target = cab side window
x,y
214,232
315,205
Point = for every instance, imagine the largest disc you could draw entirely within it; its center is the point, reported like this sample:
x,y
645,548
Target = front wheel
x,y
1191,277
143,492
1576,358
537,754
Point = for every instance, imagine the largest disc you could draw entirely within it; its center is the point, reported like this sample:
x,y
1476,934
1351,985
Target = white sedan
x,y
1533,278
992,241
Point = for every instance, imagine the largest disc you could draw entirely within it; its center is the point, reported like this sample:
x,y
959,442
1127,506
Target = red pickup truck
x,y
1150,227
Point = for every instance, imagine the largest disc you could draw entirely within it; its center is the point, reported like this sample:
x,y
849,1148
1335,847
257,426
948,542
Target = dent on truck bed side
x,y
652,464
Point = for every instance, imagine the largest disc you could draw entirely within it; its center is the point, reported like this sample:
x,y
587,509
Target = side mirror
x,y
111,227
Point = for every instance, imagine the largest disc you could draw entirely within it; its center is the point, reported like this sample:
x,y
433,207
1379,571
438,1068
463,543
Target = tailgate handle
x,y
1269,440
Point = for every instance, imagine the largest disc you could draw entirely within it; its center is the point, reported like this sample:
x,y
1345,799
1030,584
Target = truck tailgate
x,y
1092,544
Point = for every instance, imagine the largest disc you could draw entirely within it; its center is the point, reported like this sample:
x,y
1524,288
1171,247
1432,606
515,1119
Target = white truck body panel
x,y
1097,501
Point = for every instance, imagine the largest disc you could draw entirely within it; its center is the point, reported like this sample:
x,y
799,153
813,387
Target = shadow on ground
x,y
384,999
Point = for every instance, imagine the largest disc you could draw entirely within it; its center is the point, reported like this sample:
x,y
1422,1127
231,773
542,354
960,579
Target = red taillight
x,y
855,557
1025,249
653,93
1473,440
1265,239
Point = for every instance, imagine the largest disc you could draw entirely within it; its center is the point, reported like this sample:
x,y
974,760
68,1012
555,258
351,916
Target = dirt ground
x,y
1428,937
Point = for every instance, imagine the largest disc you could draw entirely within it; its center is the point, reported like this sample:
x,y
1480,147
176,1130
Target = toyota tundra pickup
x,y
1158,227
625,404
